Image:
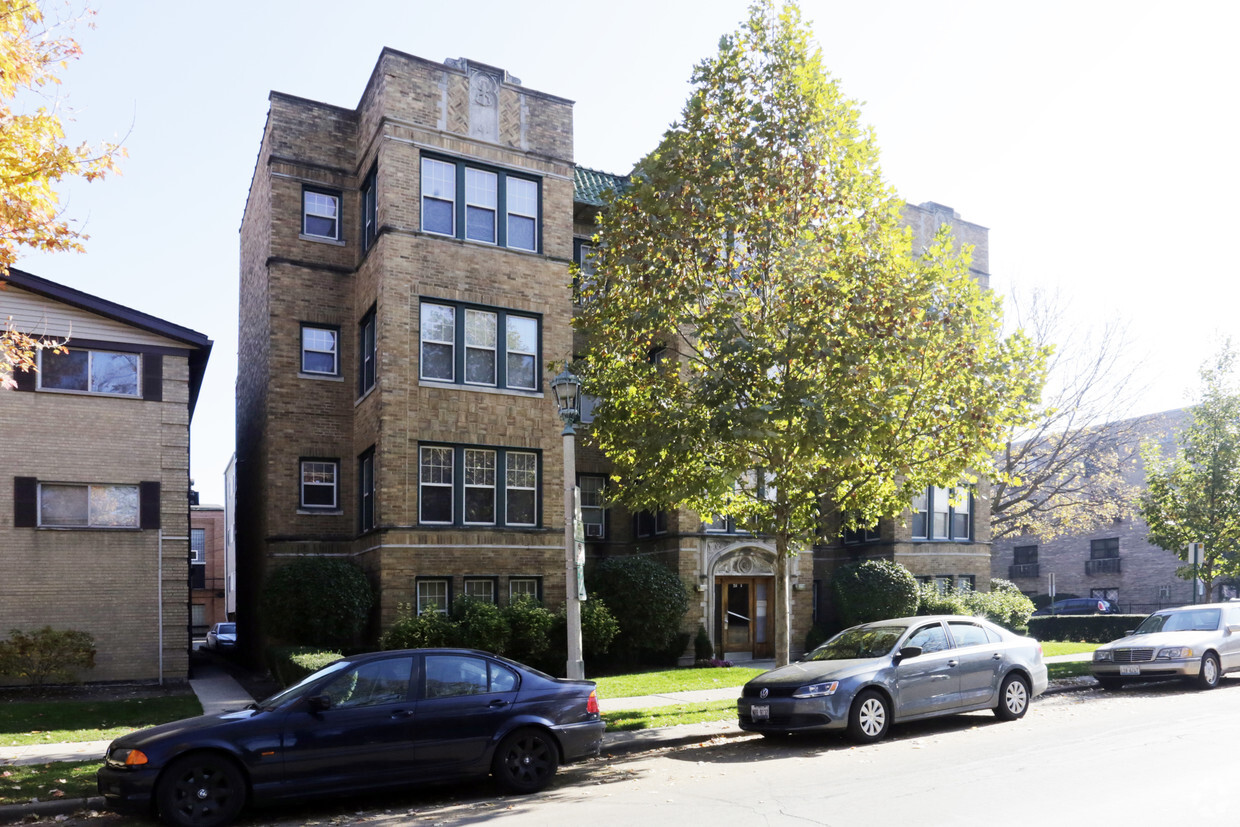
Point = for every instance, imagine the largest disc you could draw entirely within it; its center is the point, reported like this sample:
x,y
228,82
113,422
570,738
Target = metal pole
x,y
575,668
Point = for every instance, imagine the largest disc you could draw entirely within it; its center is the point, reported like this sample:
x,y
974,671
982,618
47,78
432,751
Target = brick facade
x,y
135,577
208,578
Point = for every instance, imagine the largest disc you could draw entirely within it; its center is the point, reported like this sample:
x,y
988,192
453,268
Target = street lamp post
x,y
567,389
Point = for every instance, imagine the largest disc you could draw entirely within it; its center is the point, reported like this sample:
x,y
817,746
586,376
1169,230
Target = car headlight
x,y
127,758
817,690
1103,656
1175,653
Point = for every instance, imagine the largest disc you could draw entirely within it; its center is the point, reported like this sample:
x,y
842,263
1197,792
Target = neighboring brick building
x,y
1116,562
404,284
208,576
98,479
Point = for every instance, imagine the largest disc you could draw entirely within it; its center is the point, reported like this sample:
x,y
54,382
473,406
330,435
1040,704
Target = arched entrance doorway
x,y
744,594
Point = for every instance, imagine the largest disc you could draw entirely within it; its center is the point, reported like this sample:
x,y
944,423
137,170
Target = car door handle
x,y
498,703
997,656
953,663
403,713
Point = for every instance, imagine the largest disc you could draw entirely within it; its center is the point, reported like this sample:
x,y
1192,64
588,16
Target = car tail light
x,y
592,703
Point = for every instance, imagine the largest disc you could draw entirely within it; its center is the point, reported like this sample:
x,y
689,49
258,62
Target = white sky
x,y
1096,140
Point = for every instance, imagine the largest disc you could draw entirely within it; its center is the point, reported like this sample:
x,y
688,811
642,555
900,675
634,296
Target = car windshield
x,y
298,689
227,629
861,642
1199,620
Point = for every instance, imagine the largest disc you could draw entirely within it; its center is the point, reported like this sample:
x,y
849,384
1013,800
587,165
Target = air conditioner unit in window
x,y
594,530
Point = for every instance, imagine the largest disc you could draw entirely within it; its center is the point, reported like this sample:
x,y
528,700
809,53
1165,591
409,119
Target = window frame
x,y
462,201
536,580
367,352
600,507
325,462
370,209
1028,553
925,508
461,347
427,580
459,487
366,491
308,190
198,546
1102,548
92,490
335,351
474,580
89,390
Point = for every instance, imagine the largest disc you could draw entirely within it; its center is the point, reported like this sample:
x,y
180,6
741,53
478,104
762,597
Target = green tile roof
x,y
589,185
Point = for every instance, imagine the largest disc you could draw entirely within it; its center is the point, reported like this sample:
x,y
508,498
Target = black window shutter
x,y
152,377
25,502
25,379
148,504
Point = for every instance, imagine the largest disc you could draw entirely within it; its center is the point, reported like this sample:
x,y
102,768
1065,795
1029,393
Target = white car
x,y
1198,643
222,637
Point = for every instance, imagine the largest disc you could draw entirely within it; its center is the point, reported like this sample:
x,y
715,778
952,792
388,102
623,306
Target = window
x,y
433,595
1025,555
366,353
320,214
449,676
320,350
1104,549
945,582
461,485
375,683
583,279
435,485
519,587
370,216
592,513
649,523
967,634
477,346
930,639
498,207
198,545
869,534
318,483
480,588
936,517
88,506
366,490
521,488
966,582
1164,592
479,486
90,371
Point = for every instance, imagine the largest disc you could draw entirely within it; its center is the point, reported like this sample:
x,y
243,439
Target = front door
x,y
742,621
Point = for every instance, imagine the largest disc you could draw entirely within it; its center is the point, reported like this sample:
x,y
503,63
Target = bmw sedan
x,y
1198,643
870,676
380,720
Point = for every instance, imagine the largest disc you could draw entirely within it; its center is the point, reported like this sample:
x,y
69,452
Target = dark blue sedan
x,y
373,721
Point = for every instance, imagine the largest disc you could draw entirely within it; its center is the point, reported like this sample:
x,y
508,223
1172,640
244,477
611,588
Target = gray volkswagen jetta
x,y
870,676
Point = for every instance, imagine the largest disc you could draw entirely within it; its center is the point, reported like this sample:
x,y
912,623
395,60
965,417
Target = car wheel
x,y
1013,698
200,790
525,761
1110,684
870,718
1209,675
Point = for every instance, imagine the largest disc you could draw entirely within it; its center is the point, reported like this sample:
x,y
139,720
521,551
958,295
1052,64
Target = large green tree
x,y
811,356
1194,495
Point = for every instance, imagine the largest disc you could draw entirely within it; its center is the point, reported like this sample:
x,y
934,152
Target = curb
x,y
18,812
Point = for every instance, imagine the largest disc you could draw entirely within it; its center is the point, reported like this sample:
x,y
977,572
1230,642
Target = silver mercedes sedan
x,y
1197,643
870,676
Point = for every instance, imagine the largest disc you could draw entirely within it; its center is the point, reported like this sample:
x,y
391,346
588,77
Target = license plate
x,y
760,713
1130,670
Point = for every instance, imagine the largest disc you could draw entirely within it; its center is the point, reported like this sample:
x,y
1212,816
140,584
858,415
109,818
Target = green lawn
x,y
55,722
672,715
673,680
47,782
1066,647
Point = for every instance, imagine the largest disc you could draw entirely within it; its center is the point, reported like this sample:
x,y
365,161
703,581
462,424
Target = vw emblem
x,y
764,693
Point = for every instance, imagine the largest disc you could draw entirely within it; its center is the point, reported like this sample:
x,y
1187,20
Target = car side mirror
x,y
319,703
906,653
1233,627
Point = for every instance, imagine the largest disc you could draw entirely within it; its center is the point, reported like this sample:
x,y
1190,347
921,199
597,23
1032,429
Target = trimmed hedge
x,y
873,590
1083,628
317,601
289,664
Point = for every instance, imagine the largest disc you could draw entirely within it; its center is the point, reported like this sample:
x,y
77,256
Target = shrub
x,y
932,601
480,624
647,600
46,655
529,625
818,634
873,590
598,628
703,649
317,601
1008,608
289,664
1083,628
410,631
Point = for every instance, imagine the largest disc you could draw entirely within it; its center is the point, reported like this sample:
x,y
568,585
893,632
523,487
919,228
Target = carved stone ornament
x,y
745,563
484,88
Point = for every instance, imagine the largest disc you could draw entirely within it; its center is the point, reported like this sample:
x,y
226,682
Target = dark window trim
x,y
367,352
1030,554
366,513
301,486
501,200
501,345
435,578
332,193
501,482
1106,548
301,348
538,585
951,514
369,201
26,505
